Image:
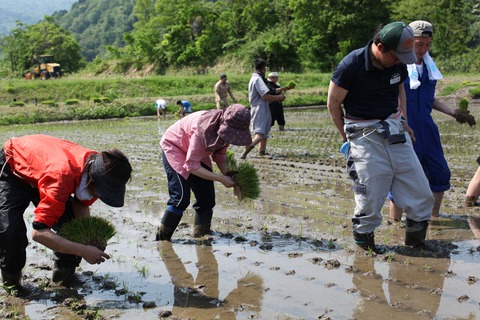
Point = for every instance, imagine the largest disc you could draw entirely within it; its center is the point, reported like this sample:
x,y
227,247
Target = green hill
x,y
28,11
98,23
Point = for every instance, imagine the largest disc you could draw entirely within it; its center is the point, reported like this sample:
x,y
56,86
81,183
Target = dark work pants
x,y
179,190
15,197
277,114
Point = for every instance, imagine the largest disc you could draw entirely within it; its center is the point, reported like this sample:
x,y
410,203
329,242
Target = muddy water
x,y
288,255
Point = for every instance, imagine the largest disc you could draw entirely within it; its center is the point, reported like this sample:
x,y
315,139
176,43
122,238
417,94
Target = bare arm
x,y
80,210
212,176
442,107
57,243
231,94
402,105
223,167
272,98
336,95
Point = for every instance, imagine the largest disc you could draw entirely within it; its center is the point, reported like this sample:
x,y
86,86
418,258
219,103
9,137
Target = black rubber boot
x,y
11,280
203,222
415,233
63,275
168,226
366,241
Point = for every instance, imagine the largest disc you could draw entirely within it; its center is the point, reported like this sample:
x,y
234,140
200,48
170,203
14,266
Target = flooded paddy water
x,y
288,255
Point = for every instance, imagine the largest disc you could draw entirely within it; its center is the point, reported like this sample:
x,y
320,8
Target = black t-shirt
x,y
372,92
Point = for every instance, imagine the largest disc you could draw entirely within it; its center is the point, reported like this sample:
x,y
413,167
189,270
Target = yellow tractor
x,y
45,68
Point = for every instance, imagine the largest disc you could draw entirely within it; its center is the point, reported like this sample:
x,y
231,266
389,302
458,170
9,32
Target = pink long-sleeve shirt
x,y
185,149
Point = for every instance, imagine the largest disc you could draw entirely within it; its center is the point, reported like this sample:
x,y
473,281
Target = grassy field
x,y
75,98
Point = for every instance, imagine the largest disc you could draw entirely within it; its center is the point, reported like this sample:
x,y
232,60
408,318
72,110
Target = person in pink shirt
x,y
188,148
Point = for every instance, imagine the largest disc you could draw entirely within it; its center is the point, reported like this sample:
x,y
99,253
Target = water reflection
x,y
398,288
200,296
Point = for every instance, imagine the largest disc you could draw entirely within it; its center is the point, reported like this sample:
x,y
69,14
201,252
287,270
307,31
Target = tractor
x,y
45,68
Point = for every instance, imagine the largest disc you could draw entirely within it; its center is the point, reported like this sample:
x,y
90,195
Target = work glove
x,y
464,117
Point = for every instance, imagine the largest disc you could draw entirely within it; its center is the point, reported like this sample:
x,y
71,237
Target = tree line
x,y
292,35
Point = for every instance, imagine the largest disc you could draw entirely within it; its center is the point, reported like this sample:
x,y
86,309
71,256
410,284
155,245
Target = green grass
x,y
86,97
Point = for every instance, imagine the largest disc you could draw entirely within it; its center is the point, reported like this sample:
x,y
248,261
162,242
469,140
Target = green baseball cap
x,y
399,37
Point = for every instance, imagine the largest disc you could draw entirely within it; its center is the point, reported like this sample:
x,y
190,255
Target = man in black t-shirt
x,y
369,84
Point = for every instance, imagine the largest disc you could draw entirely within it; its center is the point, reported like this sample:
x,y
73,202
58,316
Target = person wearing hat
x,y
62,180
420,91
222,88
259,96
368,82
276,107
188,148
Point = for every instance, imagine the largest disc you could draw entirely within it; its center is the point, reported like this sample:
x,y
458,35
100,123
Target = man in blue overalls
x,y
420,92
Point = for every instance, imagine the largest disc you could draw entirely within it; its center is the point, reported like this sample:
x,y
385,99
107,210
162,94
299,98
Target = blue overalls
x,y
428,146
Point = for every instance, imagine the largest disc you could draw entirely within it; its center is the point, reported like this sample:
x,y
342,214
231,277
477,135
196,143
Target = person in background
x,y
276,107
222,88
368,82
184,107
259,96
161,106
420,91
188,148
62,179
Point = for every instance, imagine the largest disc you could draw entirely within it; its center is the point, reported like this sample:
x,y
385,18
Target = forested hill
x,y
202,36
98,23
28,11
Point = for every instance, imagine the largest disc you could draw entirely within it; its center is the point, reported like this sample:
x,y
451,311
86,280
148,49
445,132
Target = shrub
x,y
50,103
17,104
72,101
475,93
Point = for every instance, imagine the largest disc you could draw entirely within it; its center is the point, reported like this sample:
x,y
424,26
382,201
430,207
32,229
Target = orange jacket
x,y
53,166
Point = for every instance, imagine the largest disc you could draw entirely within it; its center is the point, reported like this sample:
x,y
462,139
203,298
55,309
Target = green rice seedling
x,y
231,161
94,231
291,84
463,105
247,183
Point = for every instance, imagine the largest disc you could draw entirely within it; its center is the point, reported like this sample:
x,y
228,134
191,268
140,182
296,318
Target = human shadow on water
x,y
396,289
200,296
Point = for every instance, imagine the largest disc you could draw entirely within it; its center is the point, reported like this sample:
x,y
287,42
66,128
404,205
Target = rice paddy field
x,y
287,255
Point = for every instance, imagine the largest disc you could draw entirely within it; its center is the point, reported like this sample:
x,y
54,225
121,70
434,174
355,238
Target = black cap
x,y
110,186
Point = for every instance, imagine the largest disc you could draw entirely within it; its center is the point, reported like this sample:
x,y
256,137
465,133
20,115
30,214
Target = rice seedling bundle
x,y
291,84
247,183
93,231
